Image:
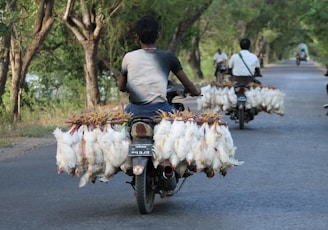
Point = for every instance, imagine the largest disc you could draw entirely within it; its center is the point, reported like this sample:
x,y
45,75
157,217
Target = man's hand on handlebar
x,y
258,72
198,93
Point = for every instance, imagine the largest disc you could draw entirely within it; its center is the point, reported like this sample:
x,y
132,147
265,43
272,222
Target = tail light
x,y
240,90
141,129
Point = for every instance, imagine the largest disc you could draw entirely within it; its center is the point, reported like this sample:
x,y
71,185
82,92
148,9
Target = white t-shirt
x,y
238,66
219,57
147,74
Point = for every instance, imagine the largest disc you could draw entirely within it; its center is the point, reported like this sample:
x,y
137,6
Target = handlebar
x,y
173,90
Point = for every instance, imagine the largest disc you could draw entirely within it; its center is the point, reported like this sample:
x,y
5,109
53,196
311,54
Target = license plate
x,y
242,98
140,150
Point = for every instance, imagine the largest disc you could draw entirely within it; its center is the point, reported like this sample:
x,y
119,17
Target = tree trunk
x,y
4,64
21,62
267,53
16,68
90,70
193,58
5,46
87,29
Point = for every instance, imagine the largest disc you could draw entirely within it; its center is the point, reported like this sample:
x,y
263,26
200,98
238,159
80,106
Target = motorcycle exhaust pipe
x,y
170,182
168,171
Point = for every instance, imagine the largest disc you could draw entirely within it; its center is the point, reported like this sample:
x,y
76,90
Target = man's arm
x,y
122,80
190,87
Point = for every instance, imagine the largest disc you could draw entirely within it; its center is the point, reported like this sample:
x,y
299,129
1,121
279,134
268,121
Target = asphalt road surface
x,y
283,183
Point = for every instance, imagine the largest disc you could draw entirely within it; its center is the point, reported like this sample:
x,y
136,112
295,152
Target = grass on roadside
x,y
40,123
10,136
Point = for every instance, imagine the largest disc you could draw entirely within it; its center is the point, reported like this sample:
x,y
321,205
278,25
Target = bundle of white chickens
x,y
222,97
97,145
200,143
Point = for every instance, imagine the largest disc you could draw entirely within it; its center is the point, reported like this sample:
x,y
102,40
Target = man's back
x,y
238,66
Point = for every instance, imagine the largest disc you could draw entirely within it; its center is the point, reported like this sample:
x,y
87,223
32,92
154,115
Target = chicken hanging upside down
x,y
97,145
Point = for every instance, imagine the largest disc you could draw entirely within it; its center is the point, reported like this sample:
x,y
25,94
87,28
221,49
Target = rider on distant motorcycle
x,y
244,66
302,55
145,71
219,60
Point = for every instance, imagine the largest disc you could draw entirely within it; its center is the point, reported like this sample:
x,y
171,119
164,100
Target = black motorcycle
x,y
240,113
147,180
300,57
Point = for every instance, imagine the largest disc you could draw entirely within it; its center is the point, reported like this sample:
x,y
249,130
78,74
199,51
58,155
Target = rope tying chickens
x,y
96,144
222,97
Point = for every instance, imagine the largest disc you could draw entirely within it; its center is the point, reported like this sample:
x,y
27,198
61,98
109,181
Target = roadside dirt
x,y
21,145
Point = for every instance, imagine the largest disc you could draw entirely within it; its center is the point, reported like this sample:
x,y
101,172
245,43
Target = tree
x,y
21,57
315,21
183,27
5,32
87,28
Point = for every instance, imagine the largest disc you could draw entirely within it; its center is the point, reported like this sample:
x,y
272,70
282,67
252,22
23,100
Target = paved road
x,y
282,185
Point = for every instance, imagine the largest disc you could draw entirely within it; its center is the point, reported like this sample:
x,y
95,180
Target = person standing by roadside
x,y
219,60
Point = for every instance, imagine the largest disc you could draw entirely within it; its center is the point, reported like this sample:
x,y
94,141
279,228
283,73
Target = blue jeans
x,y
148,110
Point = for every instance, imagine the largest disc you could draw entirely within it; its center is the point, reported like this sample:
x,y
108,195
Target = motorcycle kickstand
x,y
131,183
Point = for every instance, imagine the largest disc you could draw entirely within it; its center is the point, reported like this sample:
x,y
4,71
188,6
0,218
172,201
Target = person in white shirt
x,y
244,66
219,60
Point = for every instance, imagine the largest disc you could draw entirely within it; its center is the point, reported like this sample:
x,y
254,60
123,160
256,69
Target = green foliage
x,y
60,83
315,21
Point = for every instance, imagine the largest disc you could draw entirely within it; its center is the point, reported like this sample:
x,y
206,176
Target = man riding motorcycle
x,y
244,66
145,71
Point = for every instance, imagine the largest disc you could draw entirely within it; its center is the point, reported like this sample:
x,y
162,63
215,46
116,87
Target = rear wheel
x,y
298,61
241,117
144,191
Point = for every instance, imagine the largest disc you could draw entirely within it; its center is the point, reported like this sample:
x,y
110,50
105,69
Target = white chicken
x,y
182,168
205,101
161,133
200,146
227,150
250,95
225,99
120,149
211,154
115,146
79,149
278,102
191,137
105,140
217,134
258,96
94,156
176,135
65,156
232,97
168,152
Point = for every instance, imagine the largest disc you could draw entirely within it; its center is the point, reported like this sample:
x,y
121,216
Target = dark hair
x,y
147,29
245,43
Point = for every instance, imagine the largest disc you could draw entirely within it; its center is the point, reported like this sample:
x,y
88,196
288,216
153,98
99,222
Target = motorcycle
x,y
147,180
241,114
220,72
300,57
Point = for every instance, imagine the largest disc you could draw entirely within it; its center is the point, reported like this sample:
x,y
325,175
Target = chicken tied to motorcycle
x,y
242,101
155,151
